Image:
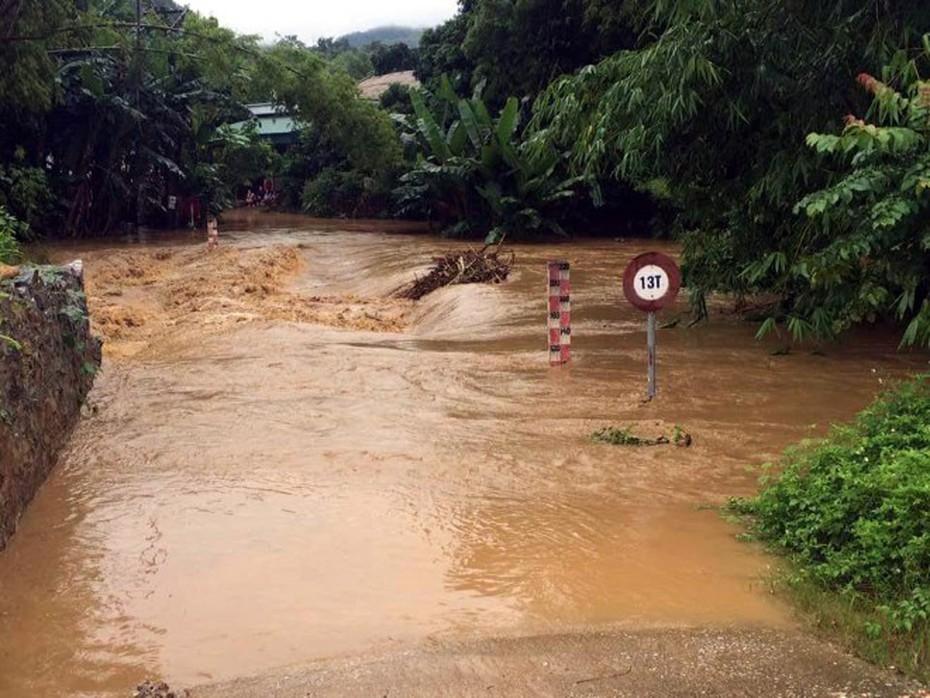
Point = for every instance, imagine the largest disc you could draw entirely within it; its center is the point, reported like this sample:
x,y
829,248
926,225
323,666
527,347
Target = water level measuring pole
x,y
559,322
650,282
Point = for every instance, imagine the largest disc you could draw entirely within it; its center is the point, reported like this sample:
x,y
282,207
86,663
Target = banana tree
x,y
480,173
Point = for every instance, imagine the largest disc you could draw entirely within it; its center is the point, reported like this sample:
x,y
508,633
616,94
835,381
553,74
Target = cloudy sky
x,y
312,19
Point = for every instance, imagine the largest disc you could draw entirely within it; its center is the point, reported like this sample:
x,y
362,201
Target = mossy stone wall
x,y
48,360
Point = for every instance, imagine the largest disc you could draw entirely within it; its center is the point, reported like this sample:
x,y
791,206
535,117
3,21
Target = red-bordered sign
x,y
651,281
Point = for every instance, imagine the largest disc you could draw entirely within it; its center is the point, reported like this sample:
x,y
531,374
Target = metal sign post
x,y
651,355
651,282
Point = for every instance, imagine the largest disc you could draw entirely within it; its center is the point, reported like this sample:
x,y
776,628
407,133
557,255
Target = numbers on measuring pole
x,y
560,308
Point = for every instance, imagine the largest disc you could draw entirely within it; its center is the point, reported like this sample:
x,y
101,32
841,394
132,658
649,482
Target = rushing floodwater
x,y
251,492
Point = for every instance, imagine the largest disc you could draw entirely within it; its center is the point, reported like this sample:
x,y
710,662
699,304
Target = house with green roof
x,y
274,124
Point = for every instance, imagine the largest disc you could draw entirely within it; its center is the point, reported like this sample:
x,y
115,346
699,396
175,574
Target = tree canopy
x,y
517,47
104,113
712,115
741,123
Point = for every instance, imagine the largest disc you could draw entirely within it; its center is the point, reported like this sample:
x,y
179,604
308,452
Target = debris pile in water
x,y
153,689
626,437
469,267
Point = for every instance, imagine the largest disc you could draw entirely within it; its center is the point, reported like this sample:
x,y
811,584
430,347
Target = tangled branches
x,y
469,267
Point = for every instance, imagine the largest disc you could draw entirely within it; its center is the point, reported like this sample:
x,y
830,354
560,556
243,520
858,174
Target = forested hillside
x,y
385,35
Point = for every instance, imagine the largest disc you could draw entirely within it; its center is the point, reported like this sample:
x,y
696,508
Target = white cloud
x,y
317,18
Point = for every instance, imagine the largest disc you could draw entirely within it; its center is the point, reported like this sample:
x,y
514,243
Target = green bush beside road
x,y
852,514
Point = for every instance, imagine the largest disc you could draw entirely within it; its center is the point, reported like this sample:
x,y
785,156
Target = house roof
x,y
272,119
373,88
273,122
260,109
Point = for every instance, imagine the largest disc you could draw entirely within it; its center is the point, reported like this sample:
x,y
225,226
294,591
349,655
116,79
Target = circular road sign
x,y
651,281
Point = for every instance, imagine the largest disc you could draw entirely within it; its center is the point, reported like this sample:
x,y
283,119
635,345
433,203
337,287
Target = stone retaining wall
x,y
48,360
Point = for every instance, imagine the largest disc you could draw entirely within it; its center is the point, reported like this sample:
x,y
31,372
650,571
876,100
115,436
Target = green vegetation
x,y
718,123
104,115
851,512
10,231
711,113
478,173
518,48
625,437
616,436
392,58
871,220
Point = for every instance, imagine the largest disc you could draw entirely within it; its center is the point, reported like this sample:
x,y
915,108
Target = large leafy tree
x,y
441,54
392,58
103,115
98,110
118,135
517,47
866,250
712,114
28,90
300,79
27,81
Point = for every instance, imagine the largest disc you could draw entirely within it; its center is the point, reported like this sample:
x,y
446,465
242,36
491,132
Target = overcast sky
x,y
312,19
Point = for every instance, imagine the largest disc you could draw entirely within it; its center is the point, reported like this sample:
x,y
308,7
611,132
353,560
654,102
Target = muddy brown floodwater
x,y
281,464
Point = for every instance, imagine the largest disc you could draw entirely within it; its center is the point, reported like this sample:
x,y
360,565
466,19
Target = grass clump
x,y
852,513
616,436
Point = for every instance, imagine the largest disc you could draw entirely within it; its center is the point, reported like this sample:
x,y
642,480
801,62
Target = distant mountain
x,y
386,35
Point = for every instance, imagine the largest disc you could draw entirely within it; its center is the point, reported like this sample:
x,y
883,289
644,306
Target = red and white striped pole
x,y
560,314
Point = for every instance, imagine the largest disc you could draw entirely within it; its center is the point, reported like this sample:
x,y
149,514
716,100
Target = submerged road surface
x,y
281,464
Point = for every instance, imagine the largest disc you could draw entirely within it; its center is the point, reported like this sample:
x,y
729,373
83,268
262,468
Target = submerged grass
x,y
865,629
851,513
617,436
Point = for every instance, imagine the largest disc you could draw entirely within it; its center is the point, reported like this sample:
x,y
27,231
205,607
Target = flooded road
x,y
281,464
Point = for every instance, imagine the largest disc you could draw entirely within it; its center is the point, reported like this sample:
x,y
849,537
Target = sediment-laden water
x,y
281,463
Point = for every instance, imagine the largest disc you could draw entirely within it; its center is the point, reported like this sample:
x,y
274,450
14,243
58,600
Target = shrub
x,y
10,230
332,193
854,508
852,512
25,192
